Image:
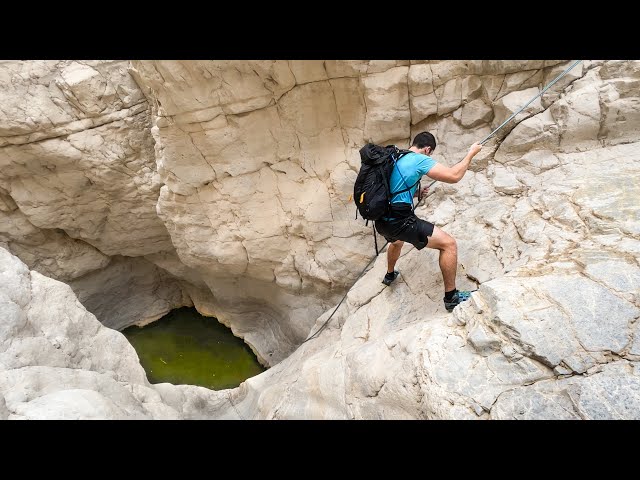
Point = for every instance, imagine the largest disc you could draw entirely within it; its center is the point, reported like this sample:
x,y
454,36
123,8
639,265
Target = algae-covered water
x,y
183,347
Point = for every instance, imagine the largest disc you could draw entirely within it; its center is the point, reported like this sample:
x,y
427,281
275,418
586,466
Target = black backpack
x,y
371,191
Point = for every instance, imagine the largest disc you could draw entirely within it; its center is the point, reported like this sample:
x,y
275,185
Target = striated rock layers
x,y
225,185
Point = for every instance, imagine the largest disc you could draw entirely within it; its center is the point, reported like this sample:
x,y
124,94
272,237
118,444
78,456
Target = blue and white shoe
x,y
458,297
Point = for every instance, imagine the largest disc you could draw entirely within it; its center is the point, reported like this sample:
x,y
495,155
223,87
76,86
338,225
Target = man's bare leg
x,y
448,260
393,254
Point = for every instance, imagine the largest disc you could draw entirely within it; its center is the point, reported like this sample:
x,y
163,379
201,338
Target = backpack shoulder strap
x,y
401,153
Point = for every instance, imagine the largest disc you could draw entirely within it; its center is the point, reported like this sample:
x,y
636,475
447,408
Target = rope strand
x,y
526,104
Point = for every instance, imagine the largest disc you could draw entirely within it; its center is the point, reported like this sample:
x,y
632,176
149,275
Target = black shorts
x,y
408,229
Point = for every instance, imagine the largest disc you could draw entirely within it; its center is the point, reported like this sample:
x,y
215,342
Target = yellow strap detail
x,y
362,197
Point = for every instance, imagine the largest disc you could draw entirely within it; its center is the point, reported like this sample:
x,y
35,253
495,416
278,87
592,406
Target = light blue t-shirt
x,y
412,167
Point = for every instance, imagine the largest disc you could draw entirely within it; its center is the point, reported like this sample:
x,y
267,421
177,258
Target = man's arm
x,y
454,174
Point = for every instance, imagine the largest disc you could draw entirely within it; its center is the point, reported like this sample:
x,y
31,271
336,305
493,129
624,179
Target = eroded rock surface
x,y
233,178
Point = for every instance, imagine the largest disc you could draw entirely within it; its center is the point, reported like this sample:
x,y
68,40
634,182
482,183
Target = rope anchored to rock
x,y
486,139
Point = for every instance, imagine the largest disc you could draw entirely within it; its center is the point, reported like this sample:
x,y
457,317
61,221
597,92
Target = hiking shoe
x,y
458,297
390,277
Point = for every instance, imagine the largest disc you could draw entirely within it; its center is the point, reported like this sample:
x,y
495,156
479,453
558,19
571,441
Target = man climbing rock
x,y
402,225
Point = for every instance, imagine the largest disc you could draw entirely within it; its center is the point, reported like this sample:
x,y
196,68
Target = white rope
x,y
527,104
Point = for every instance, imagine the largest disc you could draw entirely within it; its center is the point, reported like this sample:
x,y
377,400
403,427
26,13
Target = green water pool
x,y
183,347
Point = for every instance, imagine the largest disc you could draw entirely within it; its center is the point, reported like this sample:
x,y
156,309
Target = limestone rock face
x,y
148,294
97,185
44,98
50,251
78,177
228,183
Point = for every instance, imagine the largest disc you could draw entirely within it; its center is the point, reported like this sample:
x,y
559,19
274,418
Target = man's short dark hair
x,y
424,139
